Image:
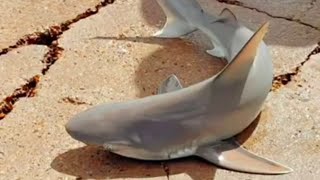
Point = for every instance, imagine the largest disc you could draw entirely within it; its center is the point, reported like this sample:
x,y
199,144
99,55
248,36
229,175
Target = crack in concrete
x,y
48,38
26,90
54,53
241,4
37,38
284,79
166,169
51,35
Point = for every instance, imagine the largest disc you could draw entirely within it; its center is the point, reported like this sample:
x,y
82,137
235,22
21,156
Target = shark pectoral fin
x,y
172,83
227,15
175,27
230,155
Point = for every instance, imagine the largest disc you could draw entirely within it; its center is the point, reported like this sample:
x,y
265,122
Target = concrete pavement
x,y
109,56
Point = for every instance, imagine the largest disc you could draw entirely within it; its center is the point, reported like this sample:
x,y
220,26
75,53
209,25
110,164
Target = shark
x,y
201,119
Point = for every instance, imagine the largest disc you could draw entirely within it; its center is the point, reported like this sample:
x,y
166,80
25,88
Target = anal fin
x,y
230,155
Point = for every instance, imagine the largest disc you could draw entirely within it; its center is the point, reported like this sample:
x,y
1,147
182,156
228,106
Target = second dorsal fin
x,y
226,15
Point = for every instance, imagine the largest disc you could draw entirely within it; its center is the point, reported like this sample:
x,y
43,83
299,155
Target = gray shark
x,y
199,120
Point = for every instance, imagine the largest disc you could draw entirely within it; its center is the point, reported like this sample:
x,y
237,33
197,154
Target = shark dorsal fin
x,y
227,15
172,83
240,66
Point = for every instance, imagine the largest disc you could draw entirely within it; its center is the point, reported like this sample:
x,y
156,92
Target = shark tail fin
x,y
230,155
175,27
243,61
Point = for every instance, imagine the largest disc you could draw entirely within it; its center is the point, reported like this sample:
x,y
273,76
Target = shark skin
x,y
226,34
199,120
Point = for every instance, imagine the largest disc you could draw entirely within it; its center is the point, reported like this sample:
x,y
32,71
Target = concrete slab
x,y
312,15
291,9
25,17
110,57
18,66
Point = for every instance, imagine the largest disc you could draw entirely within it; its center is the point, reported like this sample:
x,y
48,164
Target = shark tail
x,y
176,23
174,27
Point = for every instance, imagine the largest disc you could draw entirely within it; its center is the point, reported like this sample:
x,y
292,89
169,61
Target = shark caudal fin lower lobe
x,y
174,28
181,16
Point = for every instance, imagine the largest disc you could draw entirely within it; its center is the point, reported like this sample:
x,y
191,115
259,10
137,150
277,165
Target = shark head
x,y
100,125
113,126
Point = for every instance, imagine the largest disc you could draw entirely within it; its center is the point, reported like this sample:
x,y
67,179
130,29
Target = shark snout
x,y
75,128
94,126
83,129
